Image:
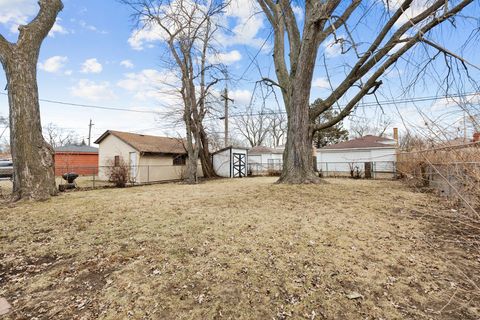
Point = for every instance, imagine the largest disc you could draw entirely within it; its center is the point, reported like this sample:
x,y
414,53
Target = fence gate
x,y
239,165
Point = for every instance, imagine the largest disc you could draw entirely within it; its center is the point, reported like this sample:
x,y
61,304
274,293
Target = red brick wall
x,y
80,163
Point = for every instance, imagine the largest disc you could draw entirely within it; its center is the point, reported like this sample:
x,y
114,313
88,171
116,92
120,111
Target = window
x,y
179,160
117,161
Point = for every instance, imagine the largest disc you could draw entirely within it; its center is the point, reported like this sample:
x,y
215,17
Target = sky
x,y
94,55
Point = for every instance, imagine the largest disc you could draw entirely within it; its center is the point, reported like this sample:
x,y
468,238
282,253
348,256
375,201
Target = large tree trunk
x,y
205,156
33,165
298,166
33,174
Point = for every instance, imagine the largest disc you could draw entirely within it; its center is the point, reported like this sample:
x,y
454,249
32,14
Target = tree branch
x,y
34,32
5,48
364,65
372,82
448,52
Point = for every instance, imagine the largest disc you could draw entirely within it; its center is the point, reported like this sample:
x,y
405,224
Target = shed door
x,y
133,166
239,165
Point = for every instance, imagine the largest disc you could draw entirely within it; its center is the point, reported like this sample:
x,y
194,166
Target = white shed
x,y
378,154
230,162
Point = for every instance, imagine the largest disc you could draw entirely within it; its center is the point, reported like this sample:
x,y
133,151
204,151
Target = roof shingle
x,y
77,148
148,144
363,143
257,150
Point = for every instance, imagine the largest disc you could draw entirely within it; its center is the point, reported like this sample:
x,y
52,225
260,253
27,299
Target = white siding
x,y
341,159
261,163
223,161
110,147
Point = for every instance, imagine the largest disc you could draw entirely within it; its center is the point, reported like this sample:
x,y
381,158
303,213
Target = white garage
x,y
366,154
231,162
264,160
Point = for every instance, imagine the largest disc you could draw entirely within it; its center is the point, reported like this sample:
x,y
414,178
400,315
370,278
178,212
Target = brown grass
x,y
236,249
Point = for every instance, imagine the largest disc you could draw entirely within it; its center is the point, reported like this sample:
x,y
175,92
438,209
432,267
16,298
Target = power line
x,y
92,106
366,104
384,102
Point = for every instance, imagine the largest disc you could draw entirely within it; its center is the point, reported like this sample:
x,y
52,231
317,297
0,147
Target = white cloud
x,y
241,17
240,96
93,91
91,66
417,7
127,64
57,29
151,84
331,48
321,83
53,64
225,57
247,23
150,33
89,27
16,12
298,11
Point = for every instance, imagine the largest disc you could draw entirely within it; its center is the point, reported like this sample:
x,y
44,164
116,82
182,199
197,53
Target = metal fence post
x,y
93,178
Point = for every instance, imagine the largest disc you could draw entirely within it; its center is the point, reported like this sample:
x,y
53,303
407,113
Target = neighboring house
x,y
377,152
230,162
150,158
262,160
81,159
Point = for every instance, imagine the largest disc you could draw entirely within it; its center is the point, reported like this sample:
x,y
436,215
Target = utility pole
x,y
90,125
226,99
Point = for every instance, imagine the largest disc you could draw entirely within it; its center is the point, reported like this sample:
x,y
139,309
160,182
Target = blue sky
x,y
93,56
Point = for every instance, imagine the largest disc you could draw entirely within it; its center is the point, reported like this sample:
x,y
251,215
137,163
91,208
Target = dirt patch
x,y
237,249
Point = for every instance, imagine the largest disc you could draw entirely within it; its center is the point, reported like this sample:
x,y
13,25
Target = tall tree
x,y
331,135
188,28
300,42
32,155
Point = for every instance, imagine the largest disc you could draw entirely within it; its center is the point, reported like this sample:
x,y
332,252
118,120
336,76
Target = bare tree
x,y
32,156
253,126
58,137
321,21
278,128
363,126
188,28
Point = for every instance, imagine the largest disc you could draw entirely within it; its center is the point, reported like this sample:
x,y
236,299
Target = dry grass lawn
x,y
236,249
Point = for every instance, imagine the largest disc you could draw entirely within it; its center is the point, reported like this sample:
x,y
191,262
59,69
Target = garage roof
x,y
146,143
365,142
258,150
77,148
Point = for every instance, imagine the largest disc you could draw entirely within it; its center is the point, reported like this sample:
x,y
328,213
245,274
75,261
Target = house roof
x,y
264,150
77,148
365,142
146,143
228,148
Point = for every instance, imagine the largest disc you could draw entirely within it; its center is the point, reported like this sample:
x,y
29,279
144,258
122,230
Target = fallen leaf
x,y
354,295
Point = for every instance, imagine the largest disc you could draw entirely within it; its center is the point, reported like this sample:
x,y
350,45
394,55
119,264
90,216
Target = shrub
x,y
118,172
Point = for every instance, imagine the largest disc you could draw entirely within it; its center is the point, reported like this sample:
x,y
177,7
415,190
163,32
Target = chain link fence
x,y
368,170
